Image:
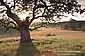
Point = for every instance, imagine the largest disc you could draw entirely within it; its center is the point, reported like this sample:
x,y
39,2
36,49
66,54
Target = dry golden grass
x,y
40,47
45,41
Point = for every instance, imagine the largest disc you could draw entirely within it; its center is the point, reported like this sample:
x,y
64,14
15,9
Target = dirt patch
x,y
48,53
67,34
45,32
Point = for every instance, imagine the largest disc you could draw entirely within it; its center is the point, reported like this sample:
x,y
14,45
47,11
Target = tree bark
x,y
23,25
24,34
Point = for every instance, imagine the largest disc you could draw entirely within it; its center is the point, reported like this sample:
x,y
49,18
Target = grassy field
x,y
46,41
40,46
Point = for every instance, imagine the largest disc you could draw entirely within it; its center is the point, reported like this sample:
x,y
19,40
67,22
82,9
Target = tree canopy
x,y
50,7
45,10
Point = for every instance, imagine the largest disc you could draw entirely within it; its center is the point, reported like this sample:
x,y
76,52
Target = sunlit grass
x,y
10,48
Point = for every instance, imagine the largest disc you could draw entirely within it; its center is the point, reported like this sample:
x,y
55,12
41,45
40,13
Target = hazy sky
x,y
82,3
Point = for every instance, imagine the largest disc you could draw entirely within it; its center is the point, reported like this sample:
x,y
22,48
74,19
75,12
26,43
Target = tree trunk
x,y
24,34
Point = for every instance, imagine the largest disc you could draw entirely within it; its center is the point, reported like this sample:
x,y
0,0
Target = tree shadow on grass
x,y
27,49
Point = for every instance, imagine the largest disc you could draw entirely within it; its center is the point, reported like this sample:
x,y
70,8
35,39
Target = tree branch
x,y
9,13
36,7
36,18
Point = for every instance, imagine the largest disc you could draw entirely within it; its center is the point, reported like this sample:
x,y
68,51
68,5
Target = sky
x,y
82,3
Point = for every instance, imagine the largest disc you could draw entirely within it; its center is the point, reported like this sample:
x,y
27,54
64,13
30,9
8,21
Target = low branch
x,y
36,18
13,16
